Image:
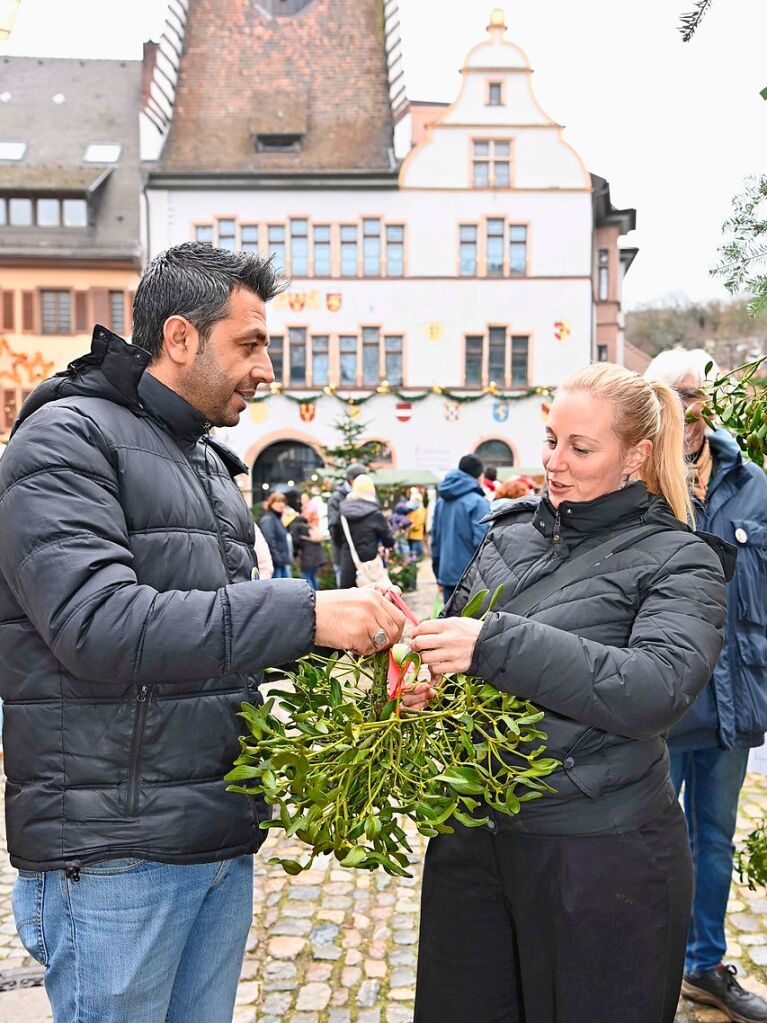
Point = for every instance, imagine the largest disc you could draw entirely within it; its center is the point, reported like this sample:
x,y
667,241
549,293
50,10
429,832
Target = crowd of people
x,y
137,615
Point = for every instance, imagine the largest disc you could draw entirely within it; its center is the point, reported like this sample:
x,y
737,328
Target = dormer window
x,y
283,8
12,150
495,94
99,152
278,143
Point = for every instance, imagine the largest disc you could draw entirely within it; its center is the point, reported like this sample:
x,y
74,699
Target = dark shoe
x,y
720,988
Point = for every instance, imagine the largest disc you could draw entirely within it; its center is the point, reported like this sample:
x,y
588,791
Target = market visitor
x,y
709,747
367,530
457,528
340,493
307,543
276,534
131,635
576,909
417,514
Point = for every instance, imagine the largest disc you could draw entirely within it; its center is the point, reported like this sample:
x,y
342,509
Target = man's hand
x,y
352,619
446,644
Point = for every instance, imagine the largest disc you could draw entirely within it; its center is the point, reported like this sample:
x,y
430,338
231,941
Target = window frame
x,y
490,159
41,293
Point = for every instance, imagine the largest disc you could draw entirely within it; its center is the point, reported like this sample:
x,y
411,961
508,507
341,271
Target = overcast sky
x,y
675,127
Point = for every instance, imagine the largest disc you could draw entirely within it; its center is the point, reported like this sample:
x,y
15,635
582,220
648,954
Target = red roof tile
x,y
323,70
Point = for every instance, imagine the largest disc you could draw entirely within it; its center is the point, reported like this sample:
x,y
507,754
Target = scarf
x,y
701,465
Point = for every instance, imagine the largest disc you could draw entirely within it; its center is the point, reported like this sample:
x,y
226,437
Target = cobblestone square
x,y
340,946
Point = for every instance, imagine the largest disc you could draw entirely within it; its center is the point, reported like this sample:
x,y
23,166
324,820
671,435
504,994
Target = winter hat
x,y
471,465
355,469
364,488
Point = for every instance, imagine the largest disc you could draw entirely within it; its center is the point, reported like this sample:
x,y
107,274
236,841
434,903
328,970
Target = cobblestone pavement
x,y
339,946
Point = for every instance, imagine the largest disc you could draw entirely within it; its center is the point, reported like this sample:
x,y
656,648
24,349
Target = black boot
x,y
720,988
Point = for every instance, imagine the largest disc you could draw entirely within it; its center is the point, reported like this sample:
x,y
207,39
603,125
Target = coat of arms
x,y
452,411
501,411
296,301
334,301
307,411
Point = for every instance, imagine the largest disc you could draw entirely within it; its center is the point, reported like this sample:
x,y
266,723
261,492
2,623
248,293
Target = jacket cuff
x,y
272,621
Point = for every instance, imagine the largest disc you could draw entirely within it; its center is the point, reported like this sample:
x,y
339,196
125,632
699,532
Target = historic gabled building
x,y
449,263
70,192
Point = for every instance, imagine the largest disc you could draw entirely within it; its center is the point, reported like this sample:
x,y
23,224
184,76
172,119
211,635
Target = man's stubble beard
x,y
209,390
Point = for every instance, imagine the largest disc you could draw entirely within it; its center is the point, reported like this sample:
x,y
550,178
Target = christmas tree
x,y
350,447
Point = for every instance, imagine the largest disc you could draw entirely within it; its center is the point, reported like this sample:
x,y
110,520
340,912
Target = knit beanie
x,y
364,488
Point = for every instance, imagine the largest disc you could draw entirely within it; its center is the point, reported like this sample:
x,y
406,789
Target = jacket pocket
x,y
143,698
751,570
27,902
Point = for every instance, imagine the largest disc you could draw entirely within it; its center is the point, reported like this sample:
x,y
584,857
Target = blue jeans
x,y
281,572
712,781
416,548
135,941
311,578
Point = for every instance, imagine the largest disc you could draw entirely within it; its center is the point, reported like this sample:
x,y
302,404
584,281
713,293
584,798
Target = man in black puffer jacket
x,y
130,632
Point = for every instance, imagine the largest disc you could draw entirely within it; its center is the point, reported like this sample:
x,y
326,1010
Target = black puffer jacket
x,y
613,660
368,529
130,631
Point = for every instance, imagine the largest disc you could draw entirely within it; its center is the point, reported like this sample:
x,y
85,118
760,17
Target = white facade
x,y
543,291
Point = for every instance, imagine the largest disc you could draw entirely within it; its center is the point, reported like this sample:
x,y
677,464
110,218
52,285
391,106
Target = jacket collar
x,y
575,519
171,411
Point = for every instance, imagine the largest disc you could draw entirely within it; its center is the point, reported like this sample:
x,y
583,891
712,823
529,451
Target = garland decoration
x,y
385,388
347,765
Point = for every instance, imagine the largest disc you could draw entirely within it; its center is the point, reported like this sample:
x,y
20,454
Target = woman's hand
x,y
416,695
446,644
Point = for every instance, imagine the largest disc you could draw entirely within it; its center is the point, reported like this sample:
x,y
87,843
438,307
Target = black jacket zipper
x,y
203,488
137,741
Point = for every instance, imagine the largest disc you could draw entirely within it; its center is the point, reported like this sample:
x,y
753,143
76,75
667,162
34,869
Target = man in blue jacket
x,y
457,529
710,745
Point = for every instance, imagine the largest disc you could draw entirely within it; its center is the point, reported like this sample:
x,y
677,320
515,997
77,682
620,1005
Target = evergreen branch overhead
x,y
689,22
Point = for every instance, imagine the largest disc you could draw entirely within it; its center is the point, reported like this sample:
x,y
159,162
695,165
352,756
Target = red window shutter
x,y
101,309
9,311
81,312
28,311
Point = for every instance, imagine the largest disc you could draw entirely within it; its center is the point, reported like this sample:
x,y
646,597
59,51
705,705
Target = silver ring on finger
x,y
380,638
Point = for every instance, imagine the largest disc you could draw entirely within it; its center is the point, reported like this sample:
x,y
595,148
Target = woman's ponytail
x,y
665,471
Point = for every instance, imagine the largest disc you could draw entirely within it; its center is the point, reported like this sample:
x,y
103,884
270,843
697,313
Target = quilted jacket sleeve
x,y
66,557
637,691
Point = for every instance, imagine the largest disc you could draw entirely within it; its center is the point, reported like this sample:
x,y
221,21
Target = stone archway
x,y
283,465
495,451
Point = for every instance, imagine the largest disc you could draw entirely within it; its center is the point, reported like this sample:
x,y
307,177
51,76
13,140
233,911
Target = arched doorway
x,y
283,465
495,452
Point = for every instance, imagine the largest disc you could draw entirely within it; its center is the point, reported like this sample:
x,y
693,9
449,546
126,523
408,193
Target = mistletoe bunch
x,y
347,766
739,401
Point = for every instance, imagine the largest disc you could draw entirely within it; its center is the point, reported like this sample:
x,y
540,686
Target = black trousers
x,y
531,929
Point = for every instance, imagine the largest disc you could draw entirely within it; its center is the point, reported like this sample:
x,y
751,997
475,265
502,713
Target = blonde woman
x,y
576,910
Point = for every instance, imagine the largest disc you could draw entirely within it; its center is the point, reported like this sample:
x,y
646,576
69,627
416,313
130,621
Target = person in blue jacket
x,y
710,745
457,529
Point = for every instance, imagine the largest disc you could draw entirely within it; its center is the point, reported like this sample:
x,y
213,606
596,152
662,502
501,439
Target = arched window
x,y
495,452
283,465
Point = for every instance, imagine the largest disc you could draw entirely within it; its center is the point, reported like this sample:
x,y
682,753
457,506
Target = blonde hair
x,y
644,410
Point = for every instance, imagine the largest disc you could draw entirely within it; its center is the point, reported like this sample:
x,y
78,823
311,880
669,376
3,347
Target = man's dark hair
x,y
491,473
195,280
471,465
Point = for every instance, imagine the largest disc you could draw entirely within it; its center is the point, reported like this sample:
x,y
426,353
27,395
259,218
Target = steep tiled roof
x,y
321,72
58,106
